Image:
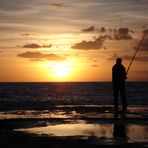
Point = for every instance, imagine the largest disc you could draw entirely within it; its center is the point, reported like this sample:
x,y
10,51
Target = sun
x,y
61,69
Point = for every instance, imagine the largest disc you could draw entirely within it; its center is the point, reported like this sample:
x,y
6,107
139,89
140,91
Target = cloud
x,y
139,58
46,46
142,71
31,46
36,46
90,29
112,33
89,45
144,45
57,4
121,34
36,56
118,33
102,29
129,58
95,29
94,60
26,34
94,65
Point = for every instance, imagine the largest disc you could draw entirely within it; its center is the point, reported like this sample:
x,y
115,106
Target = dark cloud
x,y
36,46
112,33
117,34
129,58
57,4
139,58
94,65
142,71
88,45
102,29
122,34
144,45
26,34
90,29
31,46
95,60
46,46
36,56
94,29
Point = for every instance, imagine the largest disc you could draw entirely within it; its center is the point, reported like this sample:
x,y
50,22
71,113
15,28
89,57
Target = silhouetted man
x,y
118,79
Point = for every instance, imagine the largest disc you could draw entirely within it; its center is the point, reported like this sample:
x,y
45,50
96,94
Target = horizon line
x,y
66,81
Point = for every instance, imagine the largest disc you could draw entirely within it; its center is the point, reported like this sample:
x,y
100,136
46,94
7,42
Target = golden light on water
x,y
133,132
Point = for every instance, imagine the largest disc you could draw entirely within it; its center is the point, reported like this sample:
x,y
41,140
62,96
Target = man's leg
x,y
124,101
115,91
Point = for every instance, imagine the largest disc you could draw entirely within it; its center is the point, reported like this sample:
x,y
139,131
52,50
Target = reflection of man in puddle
x,y
119,130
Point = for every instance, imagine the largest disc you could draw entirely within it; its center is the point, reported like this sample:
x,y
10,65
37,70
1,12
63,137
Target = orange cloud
x,y
144,45
142,71
94,65
139,58
121,34
89,45
57,4
110,33
36,46
90,29
36,56
129,58
26,34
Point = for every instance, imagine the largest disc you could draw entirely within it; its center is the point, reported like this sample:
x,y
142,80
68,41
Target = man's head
x,y
118,61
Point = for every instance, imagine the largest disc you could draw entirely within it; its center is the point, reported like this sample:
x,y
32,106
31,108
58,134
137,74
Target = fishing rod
x,y
138,47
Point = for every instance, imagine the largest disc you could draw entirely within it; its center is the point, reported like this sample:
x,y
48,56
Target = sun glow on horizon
x,y
61,70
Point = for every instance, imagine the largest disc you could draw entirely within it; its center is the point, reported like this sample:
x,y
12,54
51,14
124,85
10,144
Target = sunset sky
x,y
71,40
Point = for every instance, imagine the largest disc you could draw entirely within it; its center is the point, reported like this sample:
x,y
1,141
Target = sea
x,y
74,111
69,100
